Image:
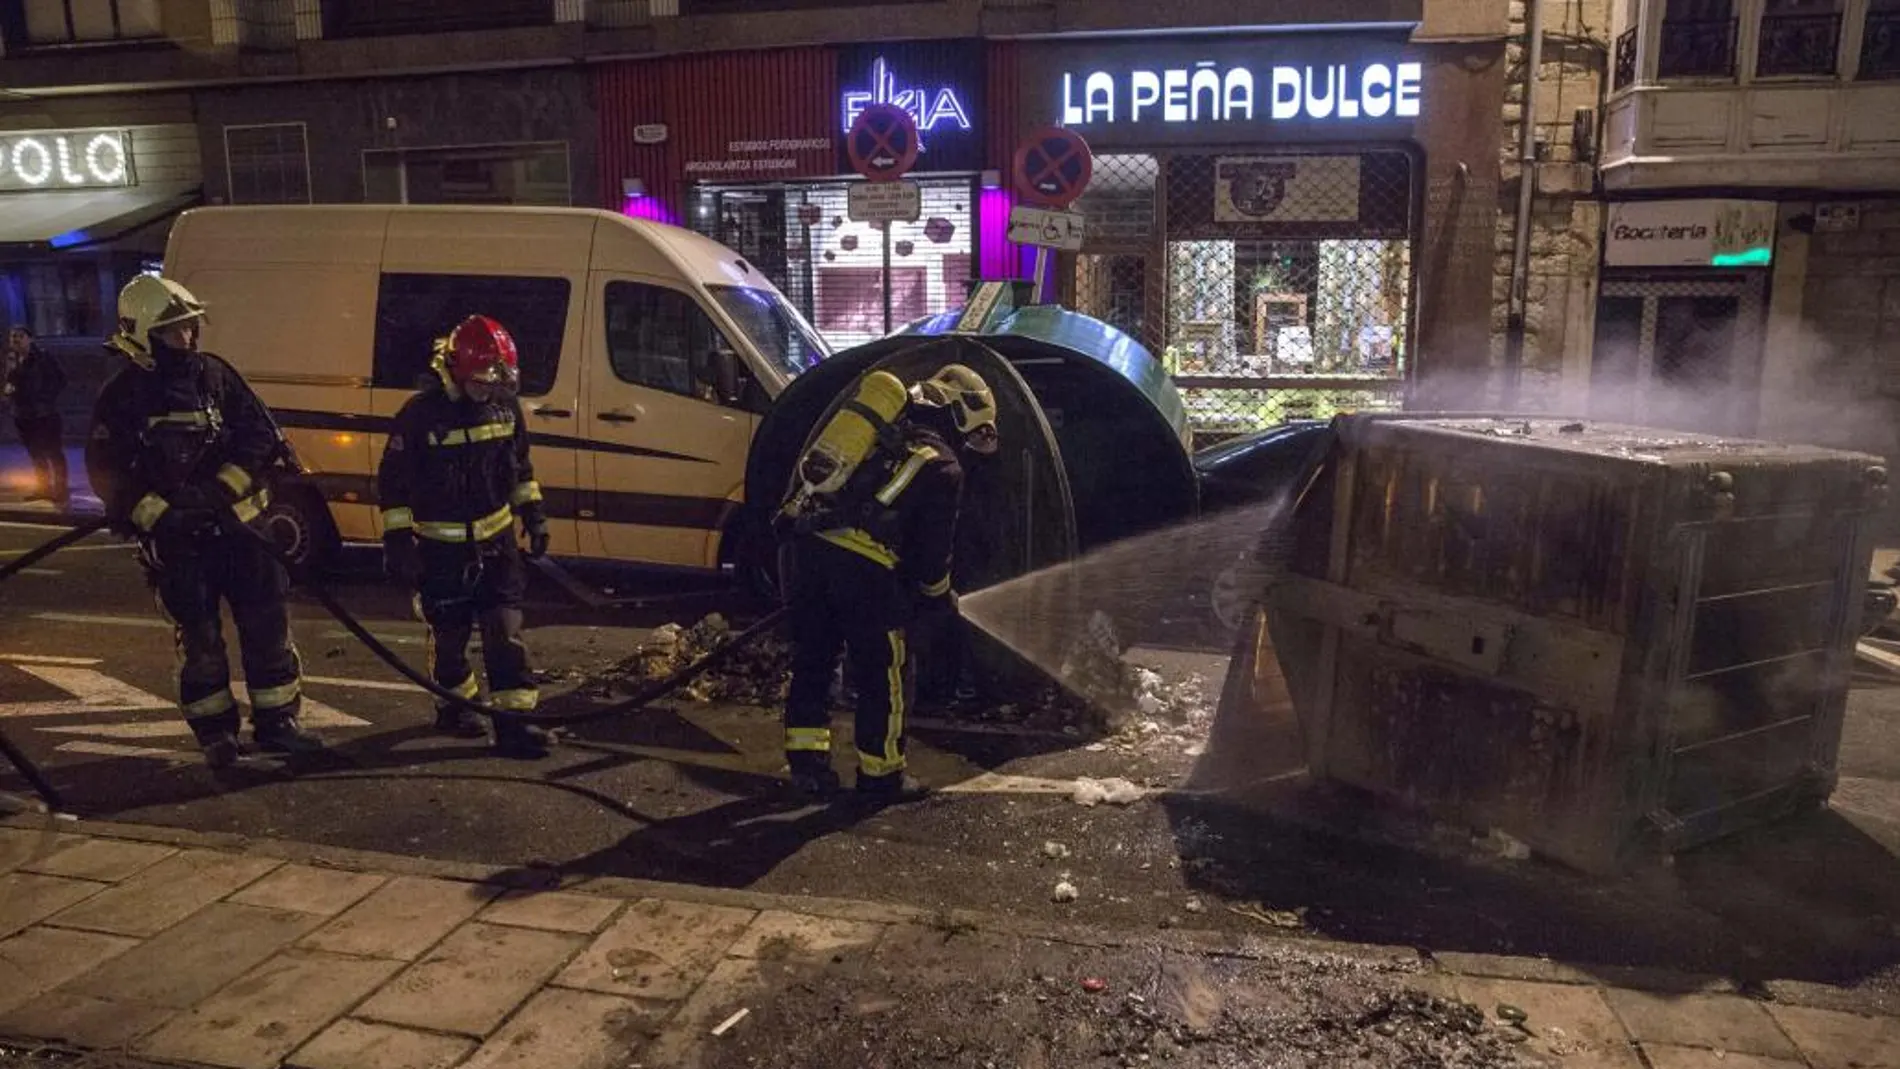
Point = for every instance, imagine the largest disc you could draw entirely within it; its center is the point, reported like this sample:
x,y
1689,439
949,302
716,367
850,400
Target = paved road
x,y
85,666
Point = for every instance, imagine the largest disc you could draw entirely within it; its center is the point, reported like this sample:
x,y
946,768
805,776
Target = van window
x,y
660,338
412,311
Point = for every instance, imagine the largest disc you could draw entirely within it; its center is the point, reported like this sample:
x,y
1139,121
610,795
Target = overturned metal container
x,y
1603,640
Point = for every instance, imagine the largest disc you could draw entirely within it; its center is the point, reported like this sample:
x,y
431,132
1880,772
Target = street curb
x,y
1192,941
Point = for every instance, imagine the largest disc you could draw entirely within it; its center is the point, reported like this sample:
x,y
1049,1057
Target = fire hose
x,y
644,696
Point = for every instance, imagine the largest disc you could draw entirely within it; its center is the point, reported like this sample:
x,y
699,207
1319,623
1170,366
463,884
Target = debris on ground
x,y
1089,793
1064,891
759,674
1094,985
1102,693
1055,851
726,1025
1194,905
1277,918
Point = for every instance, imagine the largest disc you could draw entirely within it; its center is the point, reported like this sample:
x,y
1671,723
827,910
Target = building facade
x,y
1296,212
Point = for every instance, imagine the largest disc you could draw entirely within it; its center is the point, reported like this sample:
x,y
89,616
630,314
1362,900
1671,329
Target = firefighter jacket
x,y
455,470
187,431
34,385
901,511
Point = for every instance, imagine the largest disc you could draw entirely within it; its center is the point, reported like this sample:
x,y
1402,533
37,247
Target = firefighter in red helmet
x,y
455,477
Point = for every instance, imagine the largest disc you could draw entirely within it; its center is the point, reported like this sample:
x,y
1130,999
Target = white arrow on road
x,y
92,692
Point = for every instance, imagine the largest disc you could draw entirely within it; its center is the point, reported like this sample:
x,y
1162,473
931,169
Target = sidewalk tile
x,y
83,1022
1570,1022
271,1011
306,889
108,860
18,846
777,935
40,959
657,949
568,1030
553,911
1841,1040
166,893
735,984
350,1044
197,956
1664,1056
1492,965
472,980
26,898
1719,1022
402,918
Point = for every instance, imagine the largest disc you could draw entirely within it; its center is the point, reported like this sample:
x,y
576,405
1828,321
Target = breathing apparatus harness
x,y
855,504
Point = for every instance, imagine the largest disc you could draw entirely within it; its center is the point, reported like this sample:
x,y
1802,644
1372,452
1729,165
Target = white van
x,y
647,352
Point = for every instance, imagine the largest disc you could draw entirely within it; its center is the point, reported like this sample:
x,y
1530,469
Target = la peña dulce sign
x,y
1210,92
42,160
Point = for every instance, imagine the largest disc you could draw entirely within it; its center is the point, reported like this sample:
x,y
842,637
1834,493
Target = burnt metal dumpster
x,y
1603,640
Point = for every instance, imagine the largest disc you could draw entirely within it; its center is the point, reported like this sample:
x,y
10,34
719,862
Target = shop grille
x,y
801,237
1274,287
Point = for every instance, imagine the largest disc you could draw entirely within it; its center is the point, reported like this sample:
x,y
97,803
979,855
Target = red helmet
x,y
480,353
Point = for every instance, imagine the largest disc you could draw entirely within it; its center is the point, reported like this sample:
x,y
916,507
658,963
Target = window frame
x,y
384,370
230,182
15,23
695,383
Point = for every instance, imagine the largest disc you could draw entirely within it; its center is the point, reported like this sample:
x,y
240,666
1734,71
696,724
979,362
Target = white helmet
x,y
968,399
146,304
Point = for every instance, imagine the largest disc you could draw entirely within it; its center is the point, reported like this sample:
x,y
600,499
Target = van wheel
x,y
299,523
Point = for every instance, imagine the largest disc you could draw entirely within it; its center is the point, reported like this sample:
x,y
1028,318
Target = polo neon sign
x,y
78,159
930,107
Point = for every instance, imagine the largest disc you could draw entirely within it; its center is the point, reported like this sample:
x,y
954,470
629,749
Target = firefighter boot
x,y
516,738
459,721
897,788
218,737
277,731
812,774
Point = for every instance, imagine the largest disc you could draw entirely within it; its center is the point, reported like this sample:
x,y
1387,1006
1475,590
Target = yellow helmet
x,y
146,304
964,393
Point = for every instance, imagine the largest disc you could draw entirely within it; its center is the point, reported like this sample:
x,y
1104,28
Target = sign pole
x,y
887,277
1042,273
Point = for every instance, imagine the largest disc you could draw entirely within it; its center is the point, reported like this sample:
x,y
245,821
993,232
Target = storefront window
x,y
532,174
1285,292
68,297
802,237
61,22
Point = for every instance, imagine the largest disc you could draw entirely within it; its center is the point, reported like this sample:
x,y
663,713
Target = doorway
x,y
1680,353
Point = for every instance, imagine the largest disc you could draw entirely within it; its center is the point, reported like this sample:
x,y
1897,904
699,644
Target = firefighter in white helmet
x,y
178,454
869,557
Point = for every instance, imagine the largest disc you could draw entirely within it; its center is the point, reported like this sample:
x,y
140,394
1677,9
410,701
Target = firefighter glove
x,y
401,559
535,522
183,523
937,605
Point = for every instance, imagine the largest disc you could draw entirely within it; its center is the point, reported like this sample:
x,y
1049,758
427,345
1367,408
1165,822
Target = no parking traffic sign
x,y
882,144
1053,167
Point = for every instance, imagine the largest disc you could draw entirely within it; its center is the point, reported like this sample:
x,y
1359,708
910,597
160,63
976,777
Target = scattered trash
x,y
1055,850
1506,846
1513,1014
1194,905
1570,428
1094,985
1090,793
756,675
1277,918
726,1025
1064,892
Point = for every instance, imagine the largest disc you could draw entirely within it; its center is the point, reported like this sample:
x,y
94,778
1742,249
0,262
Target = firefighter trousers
x,y
844,603
467,586
192,583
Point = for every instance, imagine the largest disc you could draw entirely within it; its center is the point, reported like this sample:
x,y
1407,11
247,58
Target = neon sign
x,y
930,107
75,159
1205,93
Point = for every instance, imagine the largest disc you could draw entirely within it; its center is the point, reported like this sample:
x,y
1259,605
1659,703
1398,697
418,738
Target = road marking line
x,y
150,729
1006,783
117,621
365,684
93,692
10,553
314,714
113,749
47,658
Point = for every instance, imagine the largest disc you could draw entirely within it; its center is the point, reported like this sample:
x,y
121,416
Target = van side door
x,y
668,448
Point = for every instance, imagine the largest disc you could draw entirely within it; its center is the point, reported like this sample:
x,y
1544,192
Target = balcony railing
x,y
1880,46
1697,48
1626,58
1798,44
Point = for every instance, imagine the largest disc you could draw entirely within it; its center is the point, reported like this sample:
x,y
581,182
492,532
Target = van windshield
x,y
782,336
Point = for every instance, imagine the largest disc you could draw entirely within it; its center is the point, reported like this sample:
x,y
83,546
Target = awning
x,y
66,220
